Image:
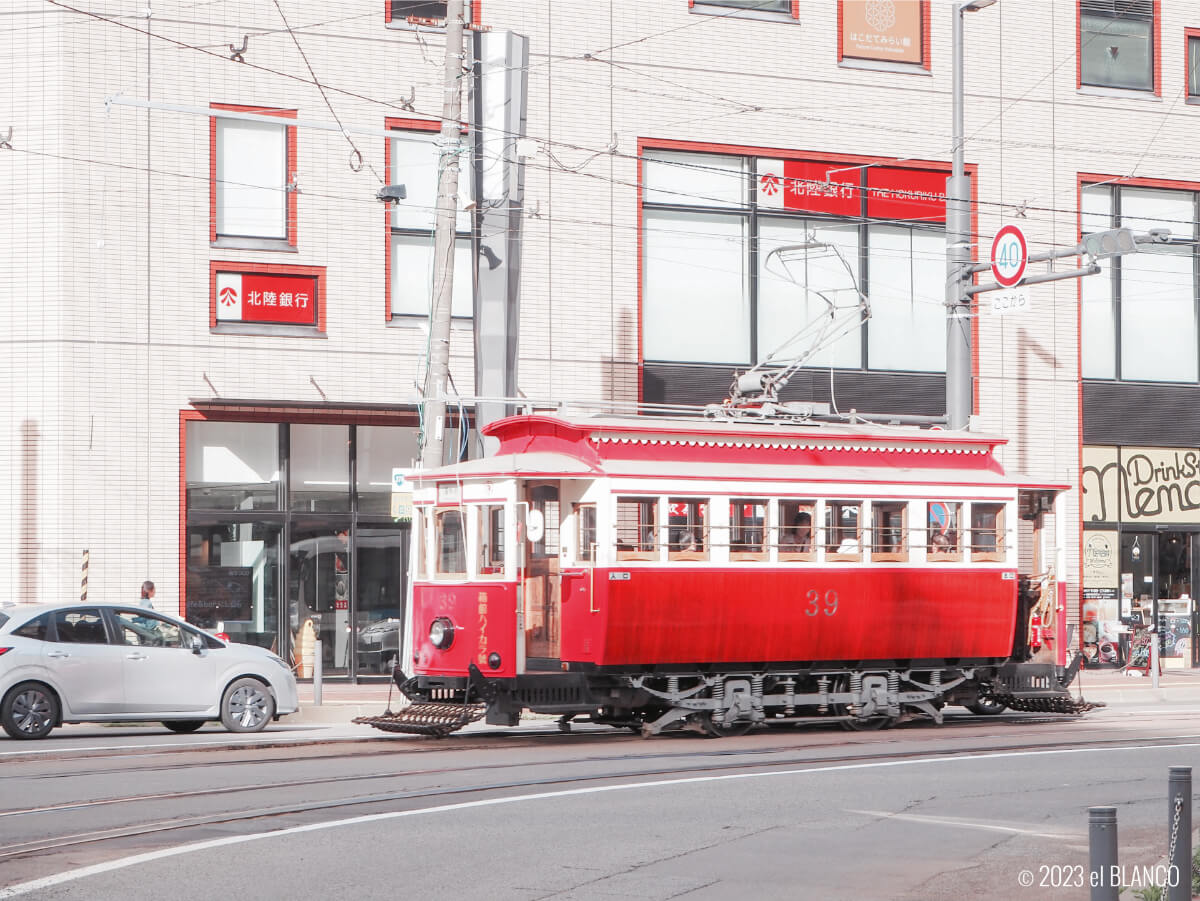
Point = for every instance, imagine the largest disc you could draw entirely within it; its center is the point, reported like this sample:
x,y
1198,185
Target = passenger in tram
x,y
799,538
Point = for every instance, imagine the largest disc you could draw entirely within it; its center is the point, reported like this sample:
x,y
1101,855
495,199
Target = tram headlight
x,y
441,633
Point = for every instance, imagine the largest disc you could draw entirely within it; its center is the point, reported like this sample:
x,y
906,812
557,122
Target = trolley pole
x,y
433,402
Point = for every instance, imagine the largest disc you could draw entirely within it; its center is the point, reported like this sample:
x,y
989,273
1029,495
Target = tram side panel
x,y
647,616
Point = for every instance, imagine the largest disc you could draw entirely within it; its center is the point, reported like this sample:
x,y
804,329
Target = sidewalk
x,y
342,701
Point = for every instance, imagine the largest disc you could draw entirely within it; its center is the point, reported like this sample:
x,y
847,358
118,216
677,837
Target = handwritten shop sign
x,y
1141,484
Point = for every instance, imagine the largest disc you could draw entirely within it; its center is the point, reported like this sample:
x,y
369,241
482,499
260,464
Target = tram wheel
x,y
987,708
870,724
713,729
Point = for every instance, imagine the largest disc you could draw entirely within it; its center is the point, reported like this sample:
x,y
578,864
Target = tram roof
x,y
673,449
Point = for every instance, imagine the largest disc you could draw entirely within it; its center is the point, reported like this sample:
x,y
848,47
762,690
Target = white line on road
x,y
150,856
962,823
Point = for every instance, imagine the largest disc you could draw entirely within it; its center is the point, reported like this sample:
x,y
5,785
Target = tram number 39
x,y
820,604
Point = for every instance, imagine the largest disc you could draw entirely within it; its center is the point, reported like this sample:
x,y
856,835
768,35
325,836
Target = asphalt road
x,y
970,810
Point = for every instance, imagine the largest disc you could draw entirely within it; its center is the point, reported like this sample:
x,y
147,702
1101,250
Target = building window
x,y
433,14
1193,66
1139,316
884,32
1116,44
253,165
767,9
727,277
413,160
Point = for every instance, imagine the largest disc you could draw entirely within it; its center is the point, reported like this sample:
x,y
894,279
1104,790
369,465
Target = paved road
x,y
336,811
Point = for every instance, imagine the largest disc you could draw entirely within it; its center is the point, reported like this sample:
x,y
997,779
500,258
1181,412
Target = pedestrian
x,y
148,594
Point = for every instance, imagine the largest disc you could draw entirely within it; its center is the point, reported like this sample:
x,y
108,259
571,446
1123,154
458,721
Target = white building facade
x,y
216,333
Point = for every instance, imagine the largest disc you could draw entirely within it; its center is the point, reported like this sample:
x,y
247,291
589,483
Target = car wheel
x,y
183,726
247,706
30,710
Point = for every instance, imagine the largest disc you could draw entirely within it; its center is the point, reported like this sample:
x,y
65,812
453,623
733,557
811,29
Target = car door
x,y
85,666
162,674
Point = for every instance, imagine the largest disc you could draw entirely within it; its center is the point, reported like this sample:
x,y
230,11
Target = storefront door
x,y
381,585
318,595
1157,575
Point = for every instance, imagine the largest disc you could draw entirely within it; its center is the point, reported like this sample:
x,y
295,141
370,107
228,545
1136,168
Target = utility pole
x,y
433,402
958,246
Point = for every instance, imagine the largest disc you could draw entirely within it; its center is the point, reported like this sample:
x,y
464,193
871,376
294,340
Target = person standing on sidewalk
x,y
148,594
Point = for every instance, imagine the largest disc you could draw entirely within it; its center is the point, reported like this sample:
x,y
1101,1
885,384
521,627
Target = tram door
x,y
542,589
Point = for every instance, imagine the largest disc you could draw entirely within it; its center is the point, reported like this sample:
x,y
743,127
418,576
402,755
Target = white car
x,y
76,663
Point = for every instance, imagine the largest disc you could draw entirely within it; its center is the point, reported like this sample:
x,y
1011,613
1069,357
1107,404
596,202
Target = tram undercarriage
x,y
730,703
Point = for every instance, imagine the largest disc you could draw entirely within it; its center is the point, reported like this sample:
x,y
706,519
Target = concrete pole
x,y
1179,830
958,253
1102,853
438,367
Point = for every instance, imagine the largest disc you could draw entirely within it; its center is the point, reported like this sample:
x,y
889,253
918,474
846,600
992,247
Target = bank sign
x,y
262,297
1141,484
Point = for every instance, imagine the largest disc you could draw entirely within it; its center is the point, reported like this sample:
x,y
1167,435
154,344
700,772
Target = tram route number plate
x,y
618,577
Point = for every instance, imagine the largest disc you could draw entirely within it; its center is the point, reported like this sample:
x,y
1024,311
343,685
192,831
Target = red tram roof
x,y
666,448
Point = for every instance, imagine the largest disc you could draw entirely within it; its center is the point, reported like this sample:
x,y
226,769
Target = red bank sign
x,y
837,189
266,297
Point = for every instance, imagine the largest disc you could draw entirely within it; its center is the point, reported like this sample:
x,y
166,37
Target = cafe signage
x,y
1141,484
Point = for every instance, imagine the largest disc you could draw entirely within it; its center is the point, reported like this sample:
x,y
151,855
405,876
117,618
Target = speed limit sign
x,y
1009,256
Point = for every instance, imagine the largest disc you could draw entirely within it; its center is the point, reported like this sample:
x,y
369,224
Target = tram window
x,y
843,530
637,528
585,516
889,531
796,530
491,541
987,531
687,529
451,549
747,529
942,520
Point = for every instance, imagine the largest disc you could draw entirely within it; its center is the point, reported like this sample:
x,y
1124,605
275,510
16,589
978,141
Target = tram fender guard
x,y
406,684
479,685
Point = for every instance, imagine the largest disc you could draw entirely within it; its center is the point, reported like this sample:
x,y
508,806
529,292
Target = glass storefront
x,y
323,492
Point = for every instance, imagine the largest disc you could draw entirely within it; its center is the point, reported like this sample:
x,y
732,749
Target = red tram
x,y
662,573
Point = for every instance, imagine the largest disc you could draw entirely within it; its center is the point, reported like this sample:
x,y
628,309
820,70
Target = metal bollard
x,y
1179,825
1102,853
1154,662
318,666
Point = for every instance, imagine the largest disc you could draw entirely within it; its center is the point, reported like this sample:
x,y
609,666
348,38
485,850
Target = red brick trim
x,y
293,207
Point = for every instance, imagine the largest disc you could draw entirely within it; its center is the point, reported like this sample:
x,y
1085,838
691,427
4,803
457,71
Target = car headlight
x,y
441,633
280,661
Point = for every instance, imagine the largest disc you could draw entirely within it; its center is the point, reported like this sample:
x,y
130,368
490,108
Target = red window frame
x,y
795,7
474,10
317,272
1188,35
293,206
926,62
393,124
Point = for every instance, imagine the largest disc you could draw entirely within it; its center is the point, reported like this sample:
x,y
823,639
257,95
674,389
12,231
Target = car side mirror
x,y
197,644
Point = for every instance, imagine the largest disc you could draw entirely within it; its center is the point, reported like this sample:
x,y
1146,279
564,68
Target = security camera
x,y
391,193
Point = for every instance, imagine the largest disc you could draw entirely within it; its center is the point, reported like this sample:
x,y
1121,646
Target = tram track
x,y
708,765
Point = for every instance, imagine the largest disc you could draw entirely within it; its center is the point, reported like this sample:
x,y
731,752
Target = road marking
x,y
961,823
259,738
163,853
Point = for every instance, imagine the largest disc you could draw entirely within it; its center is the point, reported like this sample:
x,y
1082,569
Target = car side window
x,y
36,628
80,627
141,628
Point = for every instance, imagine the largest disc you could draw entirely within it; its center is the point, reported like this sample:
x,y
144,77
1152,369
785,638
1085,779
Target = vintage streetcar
x,y
659,573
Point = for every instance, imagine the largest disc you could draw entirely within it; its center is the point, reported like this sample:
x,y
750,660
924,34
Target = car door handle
x,y
137,655
57,654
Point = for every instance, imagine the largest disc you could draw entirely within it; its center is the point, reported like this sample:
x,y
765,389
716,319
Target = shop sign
x,y
402,498
835,189
261,297
883,30
1141,484
1101,572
